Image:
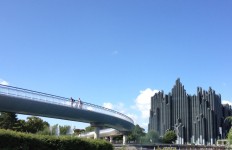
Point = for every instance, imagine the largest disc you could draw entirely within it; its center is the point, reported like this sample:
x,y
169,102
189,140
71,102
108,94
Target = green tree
x,y
152,136
136,134
89,129
228,124
118,138
8,120
45,131
229,119
35,124
229,136
64,129
21,126
169,136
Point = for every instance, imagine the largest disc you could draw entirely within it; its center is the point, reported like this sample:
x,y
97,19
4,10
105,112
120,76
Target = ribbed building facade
x,y
198,119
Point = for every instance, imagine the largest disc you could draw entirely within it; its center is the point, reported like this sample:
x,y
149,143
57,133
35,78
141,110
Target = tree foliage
x,y
228,119
45,131
169,137
89,129
118,138
21,126
152,136
8,120
35,124
228,122
229,136
136,134
64,130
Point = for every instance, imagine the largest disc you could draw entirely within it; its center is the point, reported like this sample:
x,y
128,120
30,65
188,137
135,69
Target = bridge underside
x,y
38,108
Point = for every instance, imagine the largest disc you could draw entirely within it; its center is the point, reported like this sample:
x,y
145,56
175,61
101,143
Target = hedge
x,y
12,140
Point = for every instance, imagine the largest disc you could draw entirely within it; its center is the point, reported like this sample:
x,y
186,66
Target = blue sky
x,y
116,53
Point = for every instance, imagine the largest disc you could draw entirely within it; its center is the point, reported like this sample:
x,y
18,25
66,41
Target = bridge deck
x,y
62,110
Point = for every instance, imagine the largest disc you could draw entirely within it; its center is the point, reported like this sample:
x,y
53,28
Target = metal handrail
x,y
49,98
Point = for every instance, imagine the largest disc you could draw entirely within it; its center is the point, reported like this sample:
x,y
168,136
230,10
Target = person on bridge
x,y
72,101
79,103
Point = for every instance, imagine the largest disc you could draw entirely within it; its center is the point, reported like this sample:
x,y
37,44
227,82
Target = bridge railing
x,y
58,100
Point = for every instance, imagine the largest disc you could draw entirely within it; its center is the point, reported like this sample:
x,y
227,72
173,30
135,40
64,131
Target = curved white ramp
x,y
102,133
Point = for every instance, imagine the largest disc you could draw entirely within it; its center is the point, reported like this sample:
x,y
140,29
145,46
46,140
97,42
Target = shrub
x,y
23,141
169,137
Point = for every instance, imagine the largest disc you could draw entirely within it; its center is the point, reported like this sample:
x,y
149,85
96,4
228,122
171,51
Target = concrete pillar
x,y
124,140
96,133
111,139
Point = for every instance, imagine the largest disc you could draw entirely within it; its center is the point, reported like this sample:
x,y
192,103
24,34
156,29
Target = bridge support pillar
x,y
124,139
96,133
111,139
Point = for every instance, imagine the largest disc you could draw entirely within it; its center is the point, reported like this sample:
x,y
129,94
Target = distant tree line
x,y
9,120
33,124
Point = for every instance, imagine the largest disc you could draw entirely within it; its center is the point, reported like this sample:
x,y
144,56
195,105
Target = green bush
x,y
11,140
229,136
169,137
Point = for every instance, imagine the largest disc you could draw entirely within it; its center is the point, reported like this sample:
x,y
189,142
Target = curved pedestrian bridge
x,y
23,101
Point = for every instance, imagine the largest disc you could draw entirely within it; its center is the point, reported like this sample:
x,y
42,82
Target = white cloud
x,y
144,125
143,102
139,111
3,82
134,117
120,107
226,102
